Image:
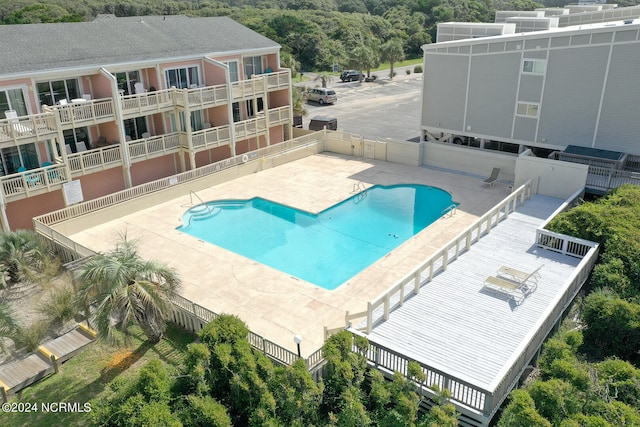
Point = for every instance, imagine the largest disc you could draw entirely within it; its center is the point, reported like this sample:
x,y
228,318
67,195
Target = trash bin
x,y
320,122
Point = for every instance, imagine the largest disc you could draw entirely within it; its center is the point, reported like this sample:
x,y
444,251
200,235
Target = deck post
x,y
3,392
54,362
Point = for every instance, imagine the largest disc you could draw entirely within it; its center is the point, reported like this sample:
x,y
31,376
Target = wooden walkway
x,y
16,375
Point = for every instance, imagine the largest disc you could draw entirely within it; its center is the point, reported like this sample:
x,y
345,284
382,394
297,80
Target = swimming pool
x,y
326,249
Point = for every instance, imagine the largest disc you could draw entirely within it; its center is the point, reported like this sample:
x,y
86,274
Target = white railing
x,y
379,309
34,181
96,159
212,137
566,245
279,116
608,178
144,103
154,146
272,151
203,97
250,128
36,126
278,80
84,113
246,89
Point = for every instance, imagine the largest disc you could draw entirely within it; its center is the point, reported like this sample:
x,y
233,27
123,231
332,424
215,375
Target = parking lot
x,y
381,109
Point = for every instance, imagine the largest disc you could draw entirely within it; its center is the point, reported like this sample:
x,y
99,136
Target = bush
x,y
408,71
59,306
225,328
417,69
31,336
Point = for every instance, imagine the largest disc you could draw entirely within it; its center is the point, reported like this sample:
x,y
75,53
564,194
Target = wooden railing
x,y
203,97
80,114
379,309
564,244
250,128
153,186
607,178
154,146
34,181
210,138
144,103
247,89
93,160
278,80
36,127
279,115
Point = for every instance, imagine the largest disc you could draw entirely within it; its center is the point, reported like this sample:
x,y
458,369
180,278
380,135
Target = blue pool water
x,y
326,249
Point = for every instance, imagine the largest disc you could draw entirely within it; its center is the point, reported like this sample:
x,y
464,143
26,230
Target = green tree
x,y
363,58
128,289
392,51
521,411
8,325
324,79
21,254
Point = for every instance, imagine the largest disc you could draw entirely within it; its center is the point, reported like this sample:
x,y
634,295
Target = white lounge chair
x,y
492,178
139,88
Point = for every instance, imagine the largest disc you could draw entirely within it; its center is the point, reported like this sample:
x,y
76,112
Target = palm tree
x,y
392,51
363,58
324,79
288,61
20,253
127,289
8,326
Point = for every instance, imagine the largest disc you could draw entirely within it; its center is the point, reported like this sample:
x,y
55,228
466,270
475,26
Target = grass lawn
x,y
85,377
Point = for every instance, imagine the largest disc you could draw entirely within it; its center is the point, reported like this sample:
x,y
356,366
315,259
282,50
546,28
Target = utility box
x,y
320,122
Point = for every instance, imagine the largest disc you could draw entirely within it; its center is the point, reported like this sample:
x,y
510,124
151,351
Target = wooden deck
x,y
18,374
465,331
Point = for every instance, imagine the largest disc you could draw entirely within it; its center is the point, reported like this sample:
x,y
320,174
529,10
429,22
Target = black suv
x,y
350,75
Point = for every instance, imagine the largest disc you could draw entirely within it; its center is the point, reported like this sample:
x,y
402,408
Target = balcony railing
x,y
203,97
250,128
246,89
33,182
84,113
211,138
151,102
95,160
155,146
36,127
278,80
607,178
279,116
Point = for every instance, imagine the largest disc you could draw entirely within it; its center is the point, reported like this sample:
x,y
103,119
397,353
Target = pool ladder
x,y
198,213
361,189
450,210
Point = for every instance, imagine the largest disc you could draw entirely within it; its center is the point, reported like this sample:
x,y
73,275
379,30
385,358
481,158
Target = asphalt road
x,y
381,109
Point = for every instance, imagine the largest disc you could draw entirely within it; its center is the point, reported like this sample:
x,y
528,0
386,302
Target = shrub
x,y
31,336
225,328
417,69
408,71
59,306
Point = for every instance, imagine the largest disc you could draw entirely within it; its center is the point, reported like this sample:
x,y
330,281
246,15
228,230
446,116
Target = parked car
x,y
322,95
350,75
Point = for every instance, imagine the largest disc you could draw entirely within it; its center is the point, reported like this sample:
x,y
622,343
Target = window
x,y
74,136
250,111
135,127
533,66
12,99
127,81
236,112
182,78
234,74
252,65
51,92
527,110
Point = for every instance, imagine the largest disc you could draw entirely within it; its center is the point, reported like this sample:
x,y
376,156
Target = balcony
x,y
202,97
250,128
278,80
137,105
85,113
279,116
27,129
33,182
211,138
93,161
154,146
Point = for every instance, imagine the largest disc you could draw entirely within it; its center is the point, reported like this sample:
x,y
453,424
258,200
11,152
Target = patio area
x,y
275,304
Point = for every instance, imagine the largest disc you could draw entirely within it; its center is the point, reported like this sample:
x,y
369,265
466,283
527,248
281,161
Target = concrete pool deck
x,y
272,303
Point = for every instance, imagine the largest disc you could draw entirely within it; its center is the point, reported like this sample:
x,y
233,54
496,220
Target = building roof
x,y
108,40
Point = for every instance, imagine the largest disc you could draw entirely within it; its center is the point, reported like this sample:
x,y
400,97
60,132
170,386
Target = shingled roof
x,y
108,40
